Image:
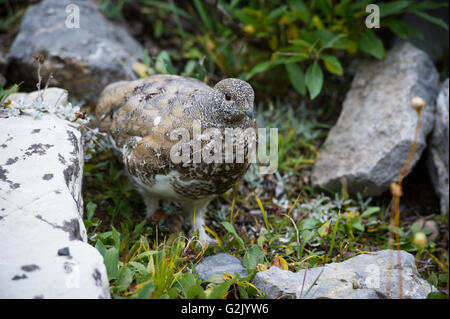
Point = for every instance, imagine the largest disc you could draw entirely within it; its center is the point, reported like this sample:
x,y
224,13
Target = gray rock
x,y
43,244
218,265
82,60
437,155
367,276
3,63
372,138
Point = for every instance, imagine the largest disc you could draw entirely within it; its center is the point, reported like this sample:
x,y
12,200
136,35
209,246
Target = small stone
x,y
367,276
218,265
30,268
64,251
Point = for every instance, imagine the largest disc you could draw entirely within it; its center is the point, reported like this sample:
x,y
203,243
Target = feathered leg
x,y
194,212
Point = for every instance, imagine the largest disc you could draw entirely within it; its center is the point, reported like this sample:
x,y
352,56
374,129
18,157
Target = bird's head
x,y
235,99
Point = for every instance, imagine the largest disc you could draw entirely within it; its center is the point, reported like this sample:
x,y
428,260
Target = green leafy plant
x,y
4,93
283,42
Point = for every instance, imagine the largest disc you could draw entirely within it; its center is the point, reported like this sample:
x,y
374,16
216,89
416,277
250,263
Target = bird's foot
x,y
203,237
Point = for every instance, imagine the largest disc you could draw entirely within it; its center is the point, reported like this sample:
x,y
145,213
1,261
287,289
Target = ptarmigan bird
x,y
140,117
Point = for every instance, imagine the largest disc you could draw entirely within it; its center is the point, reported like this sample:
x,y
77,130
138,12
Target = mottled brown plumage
x,y
140,117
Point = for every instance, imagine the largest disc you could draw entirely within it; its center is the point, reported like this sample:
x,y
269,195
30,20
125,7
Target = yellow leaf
x,y
285,19
318,23
249,29
279,262
227,276
212,232
261,267
351,47
283,263
293,32
273,43
324,229
140,69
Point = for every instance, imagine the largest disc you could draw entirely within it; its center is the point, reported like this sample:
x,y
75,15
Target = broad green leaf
x,y
203,15
297,58
361,4
139,267
195,292
308,224
101,248
357,225
262,67
172,293
231,230
276,13
125,278
245,17
169,7
219,291
314,79
111,260
186,281
189,68
394,7
148,253
163,64
301,43
146,291
371,44
299,9
431,19
297,77
436,295
332,43
427,5
324,6
370,211
332,64
333,237
243,293
116,238
146,59
253,257
90,209
400,28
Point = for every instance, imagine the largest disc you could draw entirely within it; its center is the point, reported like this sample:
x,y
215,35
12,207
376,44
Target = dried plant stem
x,y
396,190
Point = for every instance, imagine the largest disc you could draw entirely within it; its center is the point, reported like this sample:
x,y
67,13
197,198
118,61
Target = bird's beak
x,y
249,113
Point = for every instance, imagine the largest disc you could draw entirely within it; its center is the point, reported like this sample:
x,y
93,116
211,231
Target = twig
x,y
396,191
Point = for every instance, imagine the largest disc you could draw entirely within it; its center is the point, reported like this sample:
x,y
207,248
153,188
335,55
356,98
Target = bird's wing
x,y
140,116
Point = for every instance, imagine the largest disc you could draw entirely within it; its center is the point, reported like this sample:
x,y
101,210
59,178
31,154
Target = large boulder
x,y
82,60
437,156
372,138
43,244
367,276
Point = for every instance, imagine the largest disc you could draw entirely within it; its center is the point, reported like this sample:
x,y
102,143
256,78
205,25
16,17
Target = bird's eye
x,y
227,97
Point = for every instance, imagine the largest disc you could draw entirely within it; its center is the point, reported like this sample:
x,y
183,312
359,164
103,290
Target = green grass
x,y
295,227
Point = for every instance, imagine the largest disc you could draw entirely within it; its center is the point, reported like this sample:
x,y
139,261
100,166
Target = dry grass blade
x,y
396,191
